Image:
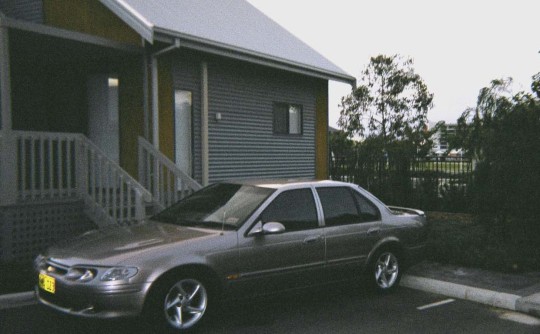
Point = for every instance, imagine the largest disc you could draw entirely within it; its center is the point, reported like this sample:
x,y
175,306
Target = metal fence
x,y
424,183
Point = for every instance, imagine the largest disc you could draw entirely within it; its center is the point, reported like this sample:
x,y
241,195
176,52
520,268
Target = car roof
x,y
282,183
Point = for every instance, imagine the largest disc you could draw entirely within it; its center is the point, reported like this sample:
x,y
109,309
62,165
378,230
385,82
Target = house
x,y
111,107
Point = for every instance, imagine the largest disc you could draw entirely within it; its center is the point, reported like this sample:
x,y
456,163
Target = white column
x,y
204,124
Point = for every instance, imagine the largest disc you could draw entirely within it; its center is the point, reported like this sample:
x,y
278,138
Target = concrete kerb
x,y
17,300
530,304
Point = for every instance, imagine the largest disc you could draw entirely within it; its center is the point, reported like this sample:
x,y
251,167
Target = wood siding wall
x,y
242,144
26,10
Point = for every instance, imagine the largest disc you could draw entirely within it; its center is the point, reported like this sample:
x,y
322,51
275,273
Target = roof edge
x,y
131,17
213,47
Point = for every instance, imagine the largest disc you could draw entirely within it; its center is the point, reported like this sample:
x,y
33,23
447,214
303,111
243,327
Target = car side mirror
x,y
267,228
273,228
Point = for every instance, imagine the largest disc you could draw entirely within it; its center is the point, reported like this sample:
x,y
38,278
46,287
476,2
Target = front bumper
x,y
96,301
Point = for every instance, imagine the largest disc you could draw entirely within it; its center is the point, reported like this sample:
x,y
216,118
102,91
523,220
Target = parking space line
x,y
442,302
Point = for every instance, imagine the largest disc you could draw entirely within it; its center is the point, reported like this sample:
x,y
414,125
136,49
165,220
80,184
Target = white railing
x,y
167,183
67,165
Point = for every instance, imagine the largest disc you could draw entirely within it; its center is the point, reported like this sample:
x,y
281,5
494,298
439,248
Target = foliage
x,y
462,240
390,103
503,134
341,146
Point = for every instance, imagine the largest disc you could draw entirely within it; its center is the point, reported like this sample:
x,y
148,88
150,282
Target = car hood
x,y
112,245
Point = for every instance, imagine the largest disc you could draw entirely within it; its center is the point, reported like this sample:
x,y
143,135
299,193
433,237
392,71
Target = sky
x,y
458,46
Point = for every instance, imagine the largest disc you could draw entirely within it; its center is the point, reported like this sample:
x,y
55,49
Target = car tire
x,y
179,305
385,271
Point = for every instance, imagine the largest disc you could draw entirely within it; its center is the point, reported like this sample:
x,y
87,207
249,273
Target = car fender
x,y
390,241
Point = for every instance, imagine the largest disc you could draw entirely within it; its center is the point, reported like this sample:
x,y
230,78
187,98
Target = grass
x,y
465,240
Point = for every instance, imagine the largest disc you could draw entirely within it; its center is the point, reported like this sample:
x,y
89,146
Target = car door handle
x,y
310,240
373,231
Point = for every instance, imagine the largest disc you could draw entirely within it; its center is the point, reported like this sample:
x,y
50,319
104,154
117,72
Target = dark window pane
x,y
295,209
338,206
368,210
280,119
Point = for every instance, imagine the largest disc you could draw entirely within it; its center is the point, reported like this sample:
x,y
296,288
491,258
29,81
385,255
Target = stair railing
x,y
67,165
157,173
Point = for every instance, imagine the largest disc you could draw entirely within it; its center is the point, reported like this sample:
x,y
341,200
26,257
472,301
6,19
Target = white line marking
x,y
442,302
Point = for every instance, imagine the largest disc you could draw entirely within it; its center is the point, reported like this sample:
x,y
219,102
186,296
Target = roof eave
x,y
221,49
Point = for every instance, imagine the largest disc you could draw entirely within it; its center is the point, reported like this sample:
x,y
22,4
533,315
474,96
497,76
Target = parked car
x,y
227,241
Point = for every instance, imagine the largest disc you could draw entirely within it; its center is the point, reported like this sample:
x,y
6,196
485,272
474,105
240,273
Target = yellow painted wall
x,y
321,132
166,106
89,17
131,105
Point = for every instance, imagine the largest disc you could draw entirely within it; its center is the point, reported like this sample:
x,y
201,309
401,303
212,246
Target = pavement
x,y
515,292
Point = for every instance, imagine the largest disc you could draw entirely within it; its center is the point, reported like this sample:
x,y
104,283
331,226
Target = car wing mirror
x,y
267,228
273,228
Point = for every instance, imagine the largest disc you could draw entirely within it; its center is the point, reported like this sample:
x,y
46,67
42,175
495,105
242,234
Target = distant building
x,y
441,138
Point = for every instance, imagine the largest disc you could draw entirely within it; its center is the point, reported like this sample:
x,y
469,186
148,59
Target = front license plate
x,y
47,283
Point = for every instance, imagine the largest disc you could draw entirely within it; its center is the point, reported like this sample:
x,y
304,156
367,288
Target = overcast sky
x,y
458,46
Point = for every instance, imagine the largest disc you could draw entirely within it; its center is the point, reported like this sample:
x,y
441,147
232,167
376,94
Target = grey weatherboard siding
x,y
27,10
242,144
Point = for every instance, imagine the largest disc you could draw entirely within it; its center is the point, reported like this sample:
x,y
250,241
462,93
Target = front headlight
x,y
118,274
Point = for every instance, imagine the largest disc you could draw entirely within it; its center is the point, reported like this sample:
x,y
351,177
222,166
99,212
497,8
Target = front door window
x,y
182,130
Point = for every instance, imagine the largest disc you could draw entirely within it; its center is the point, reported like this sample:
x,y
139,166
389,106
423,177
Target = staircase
x,y
62,184
54,167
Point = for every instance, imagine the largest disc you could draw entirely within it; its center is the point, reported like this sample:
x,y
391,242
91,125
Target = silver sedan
x,y
228,241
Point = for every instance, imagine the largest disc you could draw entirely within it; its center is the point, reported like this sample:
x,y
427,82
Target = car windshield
x,y
222,205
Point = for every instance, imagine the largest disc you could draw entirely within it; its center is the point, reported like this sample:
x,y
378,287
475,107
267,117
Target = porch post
x,y
204,124
8,158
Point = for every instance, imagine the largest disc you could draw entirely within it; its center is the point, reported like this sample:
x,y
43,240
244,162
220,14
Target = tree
x,y
503,133
391,102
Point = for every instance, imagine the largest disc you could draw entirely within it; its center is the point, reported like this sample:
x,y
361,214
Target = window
x,y
287,119
339,206
295,209
182,130
342,205
219,205
367,209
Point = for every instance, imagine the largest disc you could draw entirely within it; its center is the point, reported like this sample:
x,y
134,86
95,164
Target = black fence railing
x,y
424,183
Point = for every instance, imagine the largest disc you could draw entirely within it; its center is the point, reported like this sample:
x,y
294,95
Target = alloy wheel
x,y
386,270
185,303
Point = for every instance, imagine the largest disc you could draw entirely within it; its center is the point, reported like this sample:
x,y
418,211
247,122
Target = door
x,y
103,121
182,130
294,258
352,228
